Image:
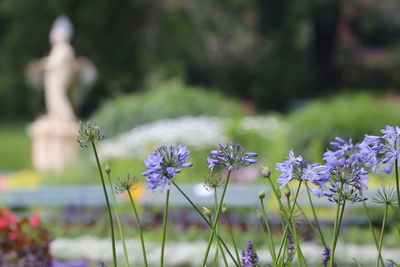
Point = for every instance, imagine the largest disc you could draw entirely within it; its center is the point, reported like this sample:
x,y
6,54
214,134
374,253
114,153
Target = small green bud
x,y
207,212
224,209
287,193
261,195
259,214
107,170
265,172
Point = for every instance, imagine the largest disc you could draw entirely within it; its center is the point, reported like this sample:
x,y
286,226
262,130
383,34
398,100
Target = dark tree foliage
x,y
265,51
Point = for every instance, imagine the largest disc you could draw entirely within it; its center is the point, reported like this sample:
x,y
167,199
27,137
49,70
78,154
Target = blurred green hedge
x,y
163,100
346,116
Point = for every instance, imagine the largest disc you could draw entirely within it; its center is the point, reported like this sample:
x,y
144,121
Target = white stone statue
x,y
54,133
58,68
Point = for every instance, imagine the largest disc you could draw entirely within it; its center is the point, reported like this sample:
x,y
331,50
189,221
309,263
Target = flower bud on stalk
x,y
207,212
265,172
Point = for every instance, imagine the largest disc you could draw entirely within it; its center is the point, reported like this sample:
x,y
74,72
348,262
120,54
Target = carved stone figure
x,y
54,133
58,67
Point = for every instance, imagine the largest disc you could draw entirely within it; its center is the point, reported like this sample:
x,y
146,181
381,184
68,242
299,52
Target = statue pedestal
x,y
53,143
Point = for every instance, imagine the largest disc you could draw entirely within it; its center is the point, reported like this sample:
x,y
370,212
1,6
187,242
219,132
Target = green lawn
x,y
15,146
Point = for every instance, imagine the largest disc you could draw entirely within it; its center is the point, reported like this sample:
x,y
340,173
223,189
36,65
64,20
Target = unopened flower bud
x,y
287,193
259,214
224,209
207,212
107,170
265,172
261,195
89,133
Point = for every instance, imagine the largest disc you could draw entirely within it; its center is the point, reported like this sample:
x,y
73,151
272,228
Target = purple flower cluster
x,y
345,168
326,254
343,174
232,156
249,256
382,151
164,164
296,168
290,249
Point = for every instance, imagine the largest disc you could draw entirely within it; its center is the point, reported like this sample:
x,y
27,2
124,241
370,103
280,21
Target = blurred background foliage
x,y
321,68
162,100
272,53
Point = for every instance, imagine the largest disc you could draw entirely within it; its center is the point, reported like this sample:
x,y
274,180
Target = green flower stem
x,y
139,228
284,212
283,242
217,232
315,217
108,204
372,231
206,220
116,210
396,165
216,220
294,230
271,238
219,247
164,228
310,223
266,237
339,214
382,234
215,264
232,237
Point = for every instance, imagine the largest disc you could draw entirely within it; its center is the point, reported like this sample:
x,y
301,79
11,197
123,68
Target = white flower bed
x,y
190,131
191,253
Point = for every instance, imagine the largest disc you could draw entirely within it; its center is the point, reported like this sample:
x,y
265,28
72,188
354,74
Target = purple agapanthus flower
x,y
296,168
290,249
249,256
232,156
345,173
382,151
326,254
164,164
74,263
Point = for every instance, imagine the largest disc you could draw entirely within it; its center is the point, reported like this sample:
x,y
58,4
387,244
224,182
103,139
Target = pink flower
x,y
35,221
13,235
3,224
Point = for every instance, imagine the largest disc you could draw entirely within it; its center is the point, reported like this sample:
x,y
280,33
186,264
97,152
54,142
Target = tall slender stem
x,y
286,215
309,222
215,264
396,165
164,228
220,249
338,221
271,238
260,221
108,204
372,231
139,228
116,209
232,237
381,238
315,217
283,241
205,220
216,220
294,232
217,232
